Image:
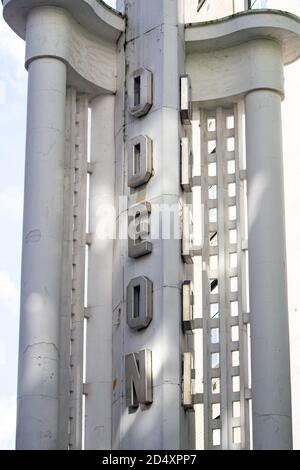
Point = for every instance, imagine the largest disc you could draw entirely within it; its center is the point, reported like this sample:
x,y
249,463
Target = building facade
x,y
154,297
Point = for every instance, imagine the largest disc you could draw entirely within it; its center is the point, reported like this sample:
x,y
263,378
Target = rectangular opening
x,y
215,385
234,284
216,411
233,236
230,144
213,262
232,212
213,238
235,357
231,189
137,159
212,169
230,122
213,215
214,311
236,383
137,90
235,333
236,435
234,309
233,260
212,192
211,147
216,437
231,167
214,335
211,124
215,360
214,286
136,301
236,409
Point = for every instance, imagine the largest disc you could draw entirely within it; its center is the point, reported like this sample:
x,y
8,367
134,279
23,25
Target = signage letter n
x,y
138,371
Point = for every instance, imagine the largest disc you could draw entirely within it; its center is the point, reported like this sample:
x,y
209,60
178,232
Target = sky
x,y
13,84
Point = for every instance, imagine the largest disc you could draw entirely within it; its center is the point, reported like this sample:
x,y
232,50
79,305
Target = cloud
x,y
11,202
9,294
8,408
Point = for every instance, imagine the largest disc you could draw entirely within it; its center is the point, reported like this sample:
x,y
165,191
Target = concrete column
x,y
272,424
37,423
99,324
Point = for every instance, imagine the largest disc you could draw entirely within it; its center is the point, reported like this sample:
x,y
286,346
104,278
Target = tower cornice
x,y
245,26
94,15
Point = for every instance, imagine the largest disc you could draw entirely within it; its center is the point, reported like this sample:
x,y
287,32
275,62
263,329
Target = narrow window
x,y
234,284
235,357
212,192
215,335
233,260
236,409
234,309
213,238
232,213
214,286
231,190
137,159
215,386
236,435
230,122
216,437
213,215
233,236
214,311
234,333
211,124
136,301
137,90
211,147
215,360
230,144
231,167
212,169
236,384
213,262
216,411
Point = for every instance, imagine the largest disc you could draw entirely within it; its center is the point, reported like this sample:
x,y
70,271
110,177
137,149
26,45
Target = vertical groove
x,y
79,159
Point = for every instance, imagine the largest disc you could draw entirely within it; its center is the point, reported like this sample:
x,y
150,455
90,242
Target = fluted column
x,y
37,426
272,425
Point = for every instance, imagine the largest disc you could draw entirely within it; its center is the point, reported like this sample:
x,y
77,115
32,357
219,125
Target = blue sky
x,y
13,83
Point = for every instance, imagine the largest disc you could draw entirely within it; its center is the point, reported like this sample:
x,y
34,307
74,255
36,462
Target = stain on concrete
x,y
33,237
115,384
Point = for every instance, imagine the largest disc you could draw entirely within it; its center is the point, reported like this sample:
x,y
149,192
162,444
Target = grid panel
x,y
225,355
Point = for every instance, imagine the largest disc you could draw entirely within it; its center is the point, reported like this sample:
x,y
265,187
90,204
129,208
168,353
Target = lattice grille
x,y
226,381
